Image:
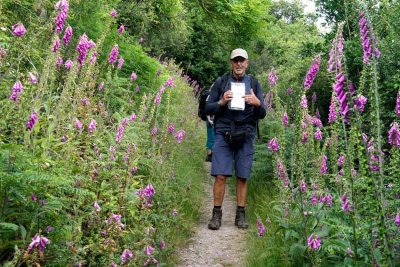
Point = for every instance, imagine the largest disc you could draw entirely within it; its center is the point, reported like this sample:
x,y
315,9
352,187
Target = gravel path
x,y
224,247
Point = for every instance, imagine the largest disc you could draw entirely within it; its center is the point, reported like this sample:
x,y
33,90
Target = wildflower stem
x,y
380,157
353,212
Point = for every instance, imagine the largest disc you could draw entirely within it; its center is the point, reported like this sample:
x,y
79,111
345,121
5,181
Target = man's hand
x,y
252,99
225,98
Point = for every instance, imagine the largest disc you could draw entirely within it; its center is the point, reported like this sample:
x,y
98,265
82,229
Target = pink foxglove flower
x,y
179,135
273,145
169,82
96,206
59,61
341,94
18,30
31,123
113,13
120,133
149,250
32,78
332,111
121,29
62,7
314,242
328,199
303,102
394,135
261,227
92,126
398,105
78,124
345,203
69,64
285,119
120,63
39,242
171,128
16,91
273,78
67,35
312,73
162,245
101,86
397,219
126,256
154,131
56,44
304,138
359,103
303,186
133,76
318,135
157,100
112,58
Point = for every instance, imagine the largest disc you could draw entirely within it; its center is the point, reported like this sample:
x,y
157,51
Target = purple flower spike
x,y
18,30
121,29
273,145
120,63
32,78
285,120
56,45
323,165
126,255
133,76
394,135
312,73
67,35
367,33
273,78
332,111
68,64
179,135
62,7
359,103
303,102
112,58
397,219
92,126
113,13
261,228
398,105
314,242
31,123
16,91
341,94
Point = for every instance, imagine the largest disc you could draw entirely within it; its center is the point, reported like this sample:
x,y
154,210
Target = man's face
x,y
239,66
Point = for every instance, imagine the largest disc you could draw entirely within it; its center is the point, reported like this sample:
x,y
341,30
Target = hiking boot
x,y
209,158
240,219
215,222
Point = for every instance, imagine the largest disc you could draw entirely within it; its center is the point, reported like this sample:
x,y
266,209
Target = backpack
x,y
201,112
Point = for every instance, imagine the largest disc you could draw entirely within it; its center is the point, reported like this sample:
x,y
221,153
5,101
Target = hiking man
x,y
236,102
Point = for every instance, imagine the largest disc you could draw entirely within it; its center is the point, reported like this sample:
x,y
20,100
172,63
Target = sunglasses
x,y
238,59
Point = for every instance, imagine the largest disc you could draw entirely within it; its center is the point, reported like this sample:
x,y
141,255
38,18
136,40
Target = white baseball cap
x,y
239,52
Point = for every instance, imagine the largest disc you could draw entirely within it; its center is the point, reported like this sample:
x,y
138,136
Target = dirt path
x,y
224,247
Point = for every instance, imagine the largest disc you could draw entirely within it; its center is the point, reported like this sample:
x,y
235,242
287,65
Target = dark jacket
x,y
224,116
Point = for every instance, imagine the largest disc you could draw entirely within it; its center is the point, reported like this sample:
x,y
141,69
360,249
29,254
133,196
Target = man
x,y
236,108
